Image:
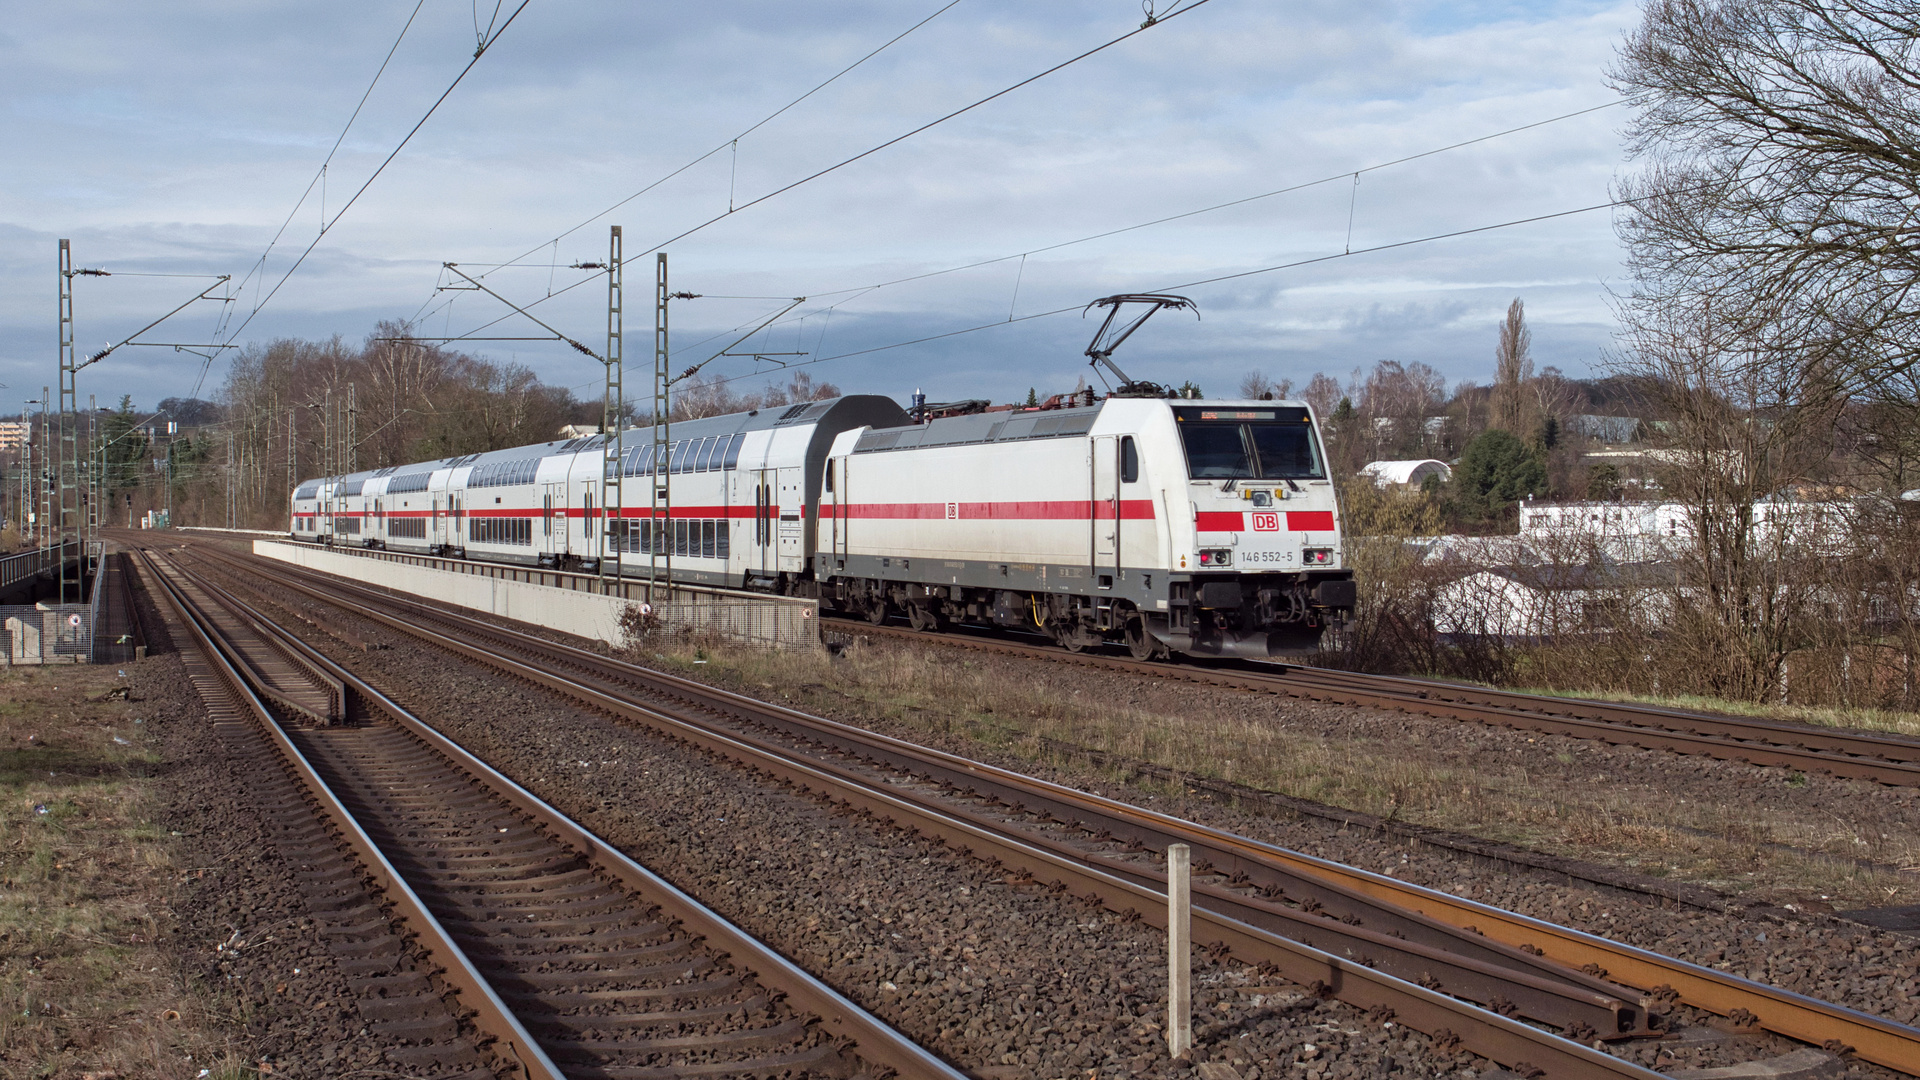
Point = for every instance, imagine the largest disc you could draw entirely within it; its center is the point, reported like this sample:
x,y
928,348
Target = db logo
x,y
1267,522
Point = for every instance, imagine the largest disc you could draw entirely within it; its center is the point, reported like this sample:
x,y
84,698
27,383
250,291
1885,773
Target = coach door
x,y
831,502
790,520
553,507
762,555
1105,507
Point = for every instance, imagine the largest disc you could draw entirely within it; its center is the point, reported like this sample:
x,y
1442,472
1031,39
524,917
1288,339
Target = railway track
x,y
575,961
1259,902
1885,759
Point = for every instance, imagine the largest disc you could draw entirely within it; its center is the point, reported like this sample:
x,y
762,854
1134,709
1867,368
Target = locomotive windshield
x,y
1248,445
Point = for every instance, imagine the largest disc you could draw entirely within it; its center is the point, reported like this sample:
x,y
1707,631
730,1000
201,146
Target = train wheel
x,y
1070,639
876,611
1141,644
926,620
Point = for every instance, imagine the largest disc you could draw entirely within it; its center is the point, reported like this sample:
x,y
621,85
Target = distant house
x,y
1633,531
1605,429
1533,603
1405,473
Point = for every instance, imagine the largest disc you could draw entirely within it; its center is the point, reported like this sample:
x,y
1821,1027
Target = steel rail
x,y
1330,916
490,1015
1884,759
1351,979
871,1038
1797,1016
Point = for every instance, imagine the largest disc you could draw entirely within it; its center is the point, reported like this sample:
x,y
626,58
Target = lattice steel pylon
x,y
613,420
659,473
352,464
66,524
44,481
95,463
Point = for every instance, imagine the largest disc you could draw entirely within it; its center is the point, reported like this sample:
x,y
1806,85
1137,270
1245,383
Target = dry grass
x,y
1552,803
87,984
1836,716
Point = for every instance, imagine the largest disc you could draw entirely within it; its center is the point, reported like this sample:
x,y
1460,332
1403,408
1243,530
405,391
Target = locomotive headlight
x,y
1316,556
1263,498
1216,557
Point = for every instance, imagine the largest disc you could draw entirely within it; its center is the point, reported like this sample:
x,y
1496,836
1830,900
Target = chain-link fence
x,y
47,633
100,631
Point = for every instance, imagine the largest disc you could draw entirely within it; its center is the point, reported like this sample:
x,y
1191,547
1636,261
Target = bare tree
x,y
1396,401
801,387
1512,374
1254,386
1323,393
1781,140
1749,424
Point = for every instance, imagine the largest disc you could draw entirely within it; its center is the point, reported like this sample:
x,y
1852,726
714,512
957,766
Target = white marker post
x,y
1179,949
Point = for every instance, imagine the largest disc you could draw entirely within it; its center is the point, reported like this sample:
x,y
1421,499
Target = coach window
x,y
1129,461
708,454
733,451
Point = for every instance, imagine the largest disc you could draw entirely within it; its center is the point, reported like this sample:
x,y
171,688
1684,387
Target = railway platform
x,y
569,602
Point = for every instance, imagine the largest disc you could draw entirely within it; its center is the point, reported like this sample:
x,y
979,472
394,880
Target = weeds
x,y
1539,798
85,975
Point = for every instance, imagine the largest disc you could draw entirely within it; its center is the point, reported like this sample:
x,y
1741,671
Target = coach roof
x,y
982,427
852,410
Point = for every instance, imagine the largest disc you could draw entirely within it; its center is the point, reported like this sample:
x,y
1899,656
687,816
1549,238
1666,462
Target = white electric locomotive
x,y
1174,525
1207,528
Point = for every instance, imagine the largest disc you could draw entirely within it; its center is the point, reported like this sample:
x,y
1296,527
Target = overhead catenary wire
x,y
1152,22
478,52
1227,205
734,142
1455,234
319,175
1062,65
853,292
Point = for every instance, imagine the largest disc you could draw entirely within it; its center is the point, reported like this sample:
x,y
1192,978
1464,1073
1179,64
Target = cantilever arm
x,y
530,315
128,340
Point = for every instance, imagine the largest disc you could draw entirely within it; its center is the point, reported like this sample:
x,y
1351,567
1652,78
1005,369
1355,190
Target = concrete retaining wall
x,y
765,621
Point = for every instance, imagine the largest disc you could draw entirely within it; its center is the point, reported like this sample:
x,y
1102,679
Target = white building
x,y
1632,531
1405,473
1530,603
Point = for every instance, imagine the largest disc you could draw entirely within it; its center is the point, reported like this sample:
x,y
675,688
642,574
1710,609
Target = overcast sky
x,y
177,138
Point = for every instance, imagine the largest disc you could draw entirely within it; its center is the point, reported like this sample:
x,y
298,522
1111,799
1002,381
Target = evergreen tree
x,y
1033,397
1496,471
123,447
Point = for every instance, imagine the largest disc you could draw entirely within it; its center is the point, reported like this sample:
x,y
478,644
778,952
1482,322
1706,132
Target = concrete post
x,y
1179,949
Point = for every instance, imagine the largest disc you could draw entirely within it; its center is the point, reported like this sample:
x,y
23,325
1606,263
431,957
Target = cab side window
x,y
1129,461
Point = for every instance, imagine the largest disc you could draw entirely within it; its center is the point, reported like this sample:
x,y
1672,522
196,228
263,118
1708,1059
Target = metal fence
x,y
754,623
47,633
100,631
15,569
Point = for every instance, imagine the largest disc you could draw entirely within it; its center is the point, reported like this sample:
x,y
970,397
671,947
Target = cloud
x,y
177,139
